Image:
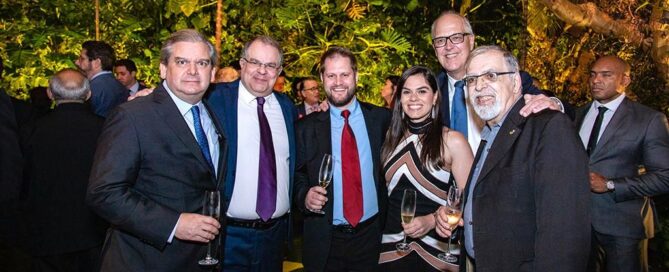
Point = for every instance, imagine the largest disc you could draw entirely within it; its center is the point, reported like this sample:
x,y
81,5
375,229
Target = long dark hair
x,y
432,139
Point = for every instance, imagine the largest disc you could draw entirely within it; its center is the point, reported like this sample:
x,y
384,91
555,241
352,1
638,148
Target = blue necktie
x,y
266,197
200,136
459,111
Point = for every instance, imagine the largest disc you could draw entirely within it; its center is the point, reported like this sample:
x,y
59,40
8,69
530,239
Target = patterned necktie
x,y
594,135
266,198
350,169
459,111
200,136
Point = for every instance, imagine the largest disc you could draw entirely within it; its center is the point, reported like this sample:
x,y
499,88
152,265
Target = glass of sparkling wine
x,y
325,174
407,210
453,213
211,207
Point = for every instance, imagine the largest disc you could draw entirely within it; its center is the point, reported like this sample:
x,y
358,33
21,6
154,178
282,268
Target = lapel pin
x,y
512,131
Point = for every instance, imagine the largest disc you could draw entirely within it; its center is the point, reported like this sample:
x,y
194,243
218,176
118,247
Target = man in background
x,y
62,233
126,73
96,61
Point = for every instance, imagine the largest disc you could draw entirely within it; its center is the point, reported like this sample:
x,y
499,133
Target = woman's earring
x,y
434,112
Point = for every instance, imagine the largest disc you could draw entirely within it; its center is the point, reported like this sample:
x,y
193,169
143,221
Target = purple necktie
x,y
266,201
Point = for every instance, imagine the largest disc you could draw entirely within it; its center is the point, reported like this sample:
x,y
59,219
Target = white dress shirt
x,y
244,194
591,116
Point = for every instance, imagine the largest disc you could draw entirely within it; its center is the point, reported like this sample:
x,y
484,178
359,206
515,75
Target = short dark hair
x,y
265,40
393,80
337,50
299,85
127,63
187,35
102,51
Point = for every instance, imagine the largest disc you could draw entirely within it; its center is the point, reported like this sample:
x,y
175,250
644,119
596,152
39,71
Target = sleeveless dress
x,y
404,170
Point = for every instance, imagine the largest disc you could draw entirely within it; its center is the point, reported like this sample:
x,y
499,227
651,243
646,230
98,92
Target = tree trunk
x,y
588,15
97,20
219,27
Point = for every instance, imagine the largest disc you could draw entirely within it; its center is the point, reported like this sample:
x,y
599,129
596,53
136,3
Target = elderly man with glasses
x,y
261,156
522,211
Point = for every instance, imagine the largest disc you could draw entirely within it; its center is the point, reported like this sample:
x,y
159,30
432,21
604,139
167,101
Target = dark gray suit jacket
x,y
148,170
106,94
635,136
530,204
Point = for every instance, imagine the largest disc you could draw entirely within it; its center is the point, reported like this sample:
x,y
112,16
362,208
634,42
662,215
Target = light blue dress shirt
x,y
357,122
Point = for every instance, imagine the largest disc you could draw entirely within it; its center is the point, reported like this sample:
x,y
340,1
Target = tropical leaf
x,y
356,11
395,40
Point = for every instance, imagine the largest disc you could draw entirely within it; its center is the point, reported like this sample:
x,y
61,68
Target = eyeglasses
x,y
312,89
271,66
488,77
455,39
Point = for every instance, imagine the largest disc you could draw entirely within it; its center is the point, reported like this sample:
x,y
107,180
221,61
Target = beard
x,y
487,112
342,101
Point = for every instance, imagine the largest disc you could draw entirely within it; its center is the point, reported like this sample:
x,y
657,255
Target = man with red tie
x,y
347,236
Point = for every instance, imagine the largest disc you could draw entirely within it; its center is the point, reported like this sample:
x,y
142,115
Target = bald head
x,y
69,85
609,77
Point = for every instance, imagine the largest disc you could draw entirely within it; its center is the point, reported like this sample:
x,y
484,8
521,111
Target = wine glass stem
x,y
448,246
405,239
208,250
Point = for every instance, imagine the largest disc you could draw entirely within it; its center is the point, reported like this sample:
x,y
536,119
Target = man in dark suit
x,y
10,153
309,91
96,60
258,123
522,210
156,157
126,73
347,235
622,136
62,233
453,40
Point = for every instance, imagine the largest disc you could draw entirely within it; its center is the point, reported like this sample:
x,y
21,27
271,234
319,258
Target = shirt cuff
x,y
557,101
174,231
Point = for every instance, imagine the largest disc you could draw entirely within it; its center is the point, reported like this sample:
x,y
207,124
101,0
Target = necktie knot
x,y
196,112
602,109
459,85
345,114
261,101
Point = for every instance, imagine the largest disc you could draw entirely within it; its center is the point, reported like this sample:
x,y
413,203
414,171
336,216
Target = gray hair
x,y
511,61
69,84
265,40
187,35
465,21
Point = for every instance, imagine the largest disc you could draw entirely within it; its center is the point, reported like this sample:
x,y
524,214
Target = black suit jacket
x,y
313,141
148,170
531,200
58,151
635,136
10,153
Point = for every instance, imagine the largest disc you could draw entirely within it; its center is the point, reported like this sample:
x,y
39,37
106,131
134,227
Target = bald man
x,y
621,137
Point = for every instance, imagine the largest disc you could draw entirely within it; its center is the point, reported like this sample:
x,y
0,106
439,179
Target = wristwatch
x,y
610,185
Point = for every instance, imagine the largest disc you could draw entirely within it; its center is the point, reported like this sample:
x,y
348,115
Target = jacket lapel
x,y
222,145
580,115
173,119
506,137
618,119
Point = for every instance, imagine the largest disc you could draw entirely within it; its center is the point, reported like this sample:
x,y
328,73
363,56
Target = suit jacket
x,y
635,136
531,200
148,170
301,110
313,140
10,153
106,94
58,220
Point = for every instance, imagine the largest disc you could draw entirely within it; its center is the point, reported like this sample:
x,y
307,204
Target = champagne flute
x,y
325,174
407,210
211,207
453,213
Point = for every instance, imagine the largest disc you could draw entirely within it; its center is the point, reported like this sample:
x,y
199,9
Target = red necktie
x,y
350,169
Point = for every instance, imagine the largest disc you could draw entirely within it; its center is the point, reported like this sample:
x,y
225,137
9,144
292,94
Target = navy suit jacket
x,y
106,94
223,100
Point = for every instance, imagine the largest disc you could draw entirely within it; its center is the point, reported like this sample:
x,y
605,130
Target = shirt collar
x,y
612,105
100,73
183,106
353,108
248,98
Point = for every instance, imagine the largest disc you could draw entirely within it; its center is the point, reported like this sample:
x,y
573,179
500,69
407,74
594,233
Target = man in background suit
x,y
622,136
347,237
258,123
309,91
10,153
126,73
453,39
96,60
522,211
62,233
156,157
